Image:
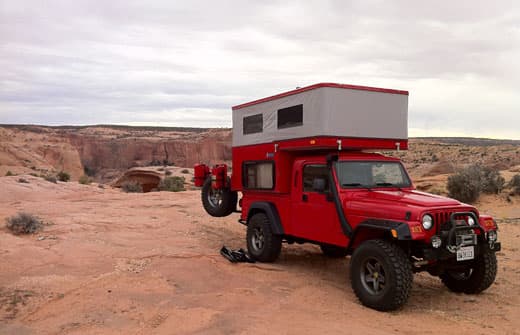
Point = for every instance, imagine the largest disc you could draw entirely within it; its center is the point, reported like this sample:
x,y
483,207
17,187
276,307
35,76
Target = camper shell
x,y
317,118
306,165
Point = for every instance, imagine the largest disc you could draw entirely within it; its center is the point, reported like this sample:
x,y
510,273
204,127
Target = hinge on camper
x,y
398,145
339,145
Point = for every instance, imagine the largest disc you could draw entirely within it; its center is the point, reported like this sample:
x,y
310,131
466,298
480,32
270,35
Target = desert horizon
x,y
200,129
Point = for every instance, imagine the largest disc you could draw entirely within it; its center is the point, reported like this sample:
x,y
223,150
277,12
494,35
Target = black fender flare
x,y
272,213
402,229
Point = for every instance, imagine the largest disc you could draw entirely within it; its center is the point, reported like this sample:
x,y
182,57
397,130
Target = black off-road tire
x,y
333,251
262,244
478,276
218,203
387,260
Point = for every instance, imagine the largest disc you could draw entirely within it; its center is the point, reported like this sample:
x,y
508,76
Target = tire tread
x,y
401,267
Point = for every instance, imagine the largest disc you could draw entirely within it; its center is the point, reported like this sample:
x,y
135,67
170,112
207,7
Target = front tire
x,y
475,278
381,275
218,203
262,244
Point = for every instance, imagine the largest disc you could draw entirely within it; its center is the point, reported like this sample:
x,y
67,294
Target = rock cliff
x,y
104,152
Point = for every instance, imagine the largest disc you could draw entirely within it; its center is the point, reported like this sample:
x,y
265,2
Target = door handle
x,y
305,197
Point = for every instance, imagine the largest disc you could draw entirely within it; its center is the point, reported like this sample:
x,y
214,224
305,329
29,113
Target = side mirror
x,y
318,185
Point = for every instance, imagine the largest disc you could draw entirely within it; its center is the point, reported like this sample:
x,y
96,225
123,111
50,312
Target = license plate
x,y
465,253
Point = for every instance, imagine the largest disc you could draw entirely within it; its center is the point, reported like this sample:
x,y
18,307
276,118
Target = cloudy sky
x,y
185,63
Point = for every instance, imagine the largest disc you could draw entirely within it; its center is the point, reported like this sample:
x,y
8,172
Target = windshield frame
x,y
407,182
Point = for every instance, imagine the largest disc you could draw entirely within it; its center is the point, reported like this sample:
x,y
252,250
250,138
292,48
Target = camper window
x,y
258,175
290,117
253,124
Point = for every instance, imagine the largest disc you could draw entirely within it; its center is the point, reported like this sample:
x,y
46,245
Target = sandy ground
x,y
108,262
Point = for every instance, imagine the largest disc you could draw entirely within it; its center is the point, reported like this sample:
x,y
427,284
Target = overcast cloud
x,y
185,63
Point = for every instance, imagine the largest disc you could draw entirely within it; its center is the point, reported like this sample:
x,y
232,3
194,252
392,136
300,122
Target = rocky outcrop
x,y
101,154
105,152
148,179
37,150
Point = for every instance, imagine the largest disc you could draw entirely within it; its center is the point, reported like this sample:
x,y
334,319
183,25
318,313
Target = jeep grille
x,y
441,218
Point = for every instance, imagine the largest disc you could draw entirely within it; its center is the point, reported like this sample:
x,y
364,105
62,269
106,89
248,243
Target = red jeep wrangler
x,y
304,162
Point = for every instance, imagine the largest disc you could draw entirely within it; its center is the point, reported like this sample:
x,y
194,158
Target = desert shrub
x,y
84,179
131,187
50,178
168,173
9,173
492,181
23,223
185,171
63,176
172,184
465,185
23,180
515,184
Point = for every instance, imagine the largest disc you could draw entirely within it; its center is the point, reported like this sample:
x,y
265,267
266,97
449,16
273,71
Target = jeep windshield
x,y
371,174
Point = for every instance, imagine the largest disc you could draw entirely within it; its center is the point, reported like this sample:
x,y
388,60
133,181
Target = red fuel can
x,y
219,176
201,172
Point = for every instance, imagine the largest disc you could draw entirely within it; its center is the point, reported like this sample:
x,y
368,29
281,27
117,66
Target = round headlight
x,y
427,222
471,222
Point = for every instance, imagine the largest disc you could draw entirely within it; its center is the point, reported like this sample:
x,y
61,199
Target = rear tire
x,y
262,244
476,278
218,203
381,275
333,251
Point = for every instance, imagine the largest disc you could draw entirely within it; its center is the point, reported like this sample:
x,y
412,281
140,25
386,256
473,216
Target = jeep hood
x,y
412,197
394,204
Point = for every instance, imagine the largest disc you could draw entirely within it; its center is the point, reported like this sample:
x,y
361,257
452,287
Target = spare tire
x,y
218,202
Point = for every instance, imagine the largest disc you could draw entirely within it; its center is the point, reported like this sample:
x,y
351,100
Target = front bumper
x,y
443,254
456,234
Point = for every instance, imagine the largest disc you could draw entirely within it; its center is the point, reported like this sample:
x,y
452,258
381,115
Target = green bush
x,y
172,184
84,179
492,181
63,176
23,223
515,184
23,180
132,187
168,173
9,173
185,171
467,184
